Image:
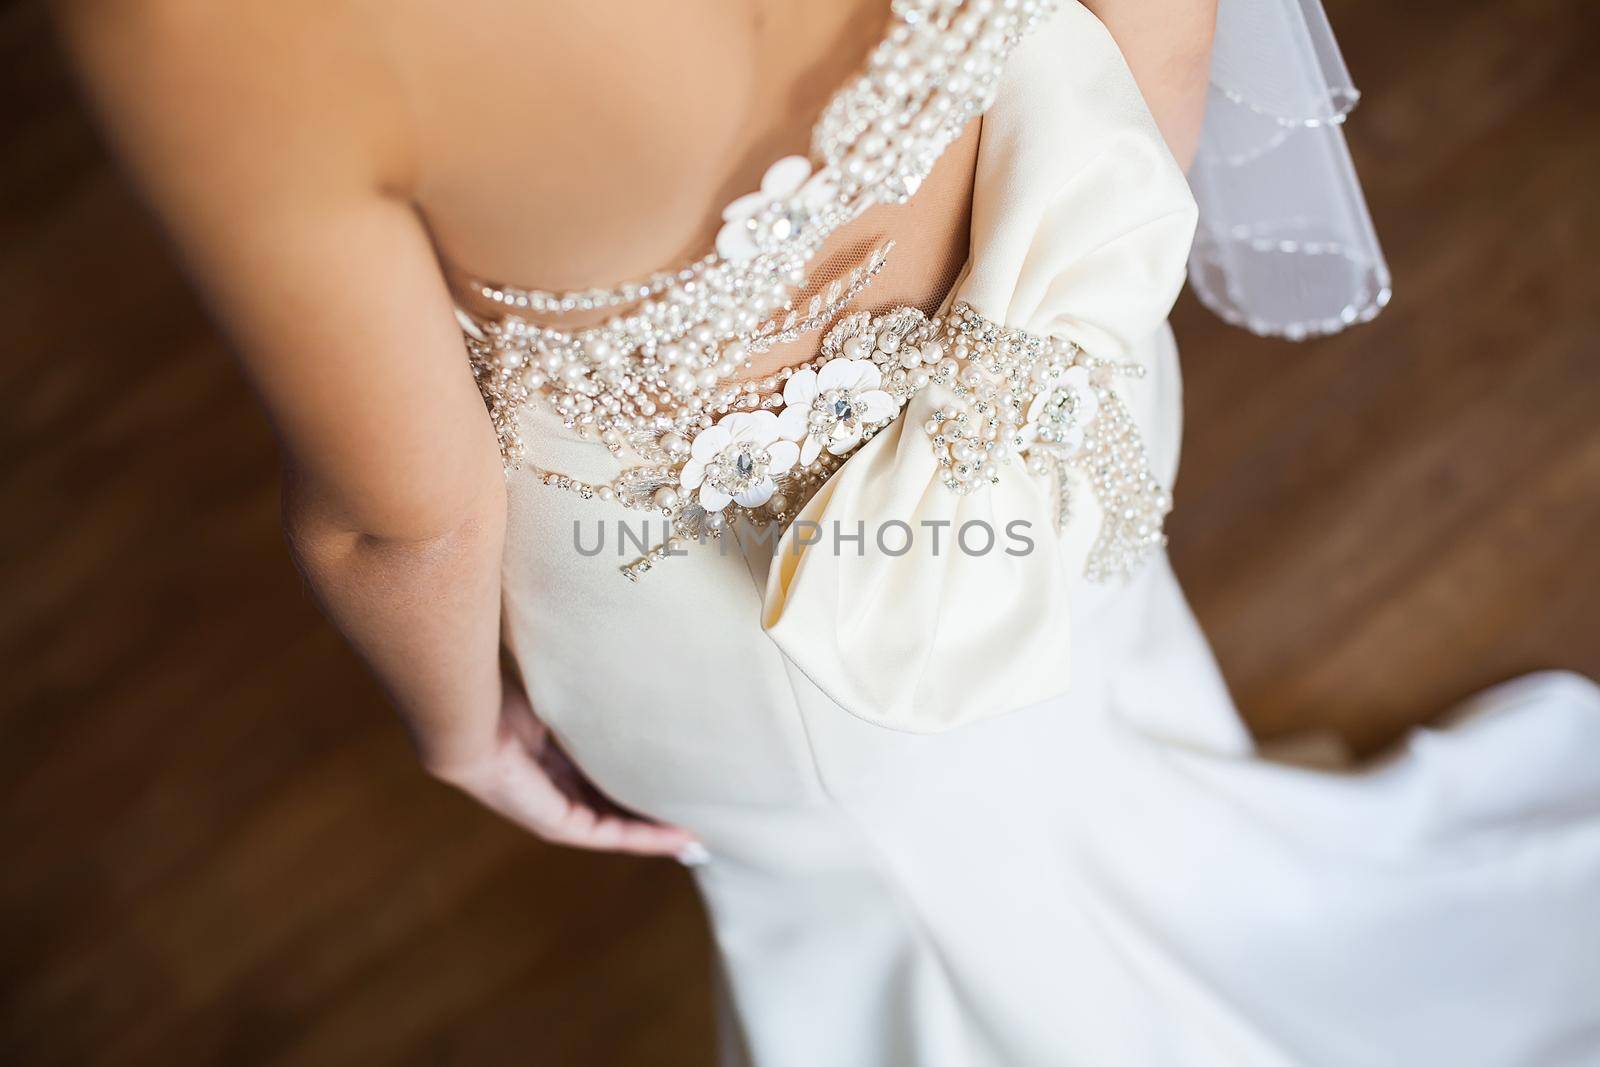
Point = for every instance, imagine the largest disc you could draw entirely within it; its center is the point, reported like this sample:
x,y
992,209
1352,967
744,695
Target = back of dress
x,y
652,433
900,645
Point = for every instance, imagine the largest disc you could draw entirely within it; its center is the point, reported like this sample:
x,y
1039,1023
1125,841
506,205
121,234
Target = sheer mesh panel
x,y
931,236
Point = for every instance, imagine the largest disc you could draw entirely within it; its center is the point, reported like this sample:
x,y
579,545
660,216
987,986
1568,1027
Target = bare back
x,y
561,148
335,172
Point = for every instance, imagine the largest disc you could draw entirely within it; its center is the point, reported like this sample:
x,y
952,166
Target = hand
x,y
528,779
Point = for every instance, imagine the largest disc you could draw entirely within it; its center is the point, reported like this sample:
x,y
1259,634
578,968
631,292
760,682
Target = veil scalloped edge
x,y
1285,246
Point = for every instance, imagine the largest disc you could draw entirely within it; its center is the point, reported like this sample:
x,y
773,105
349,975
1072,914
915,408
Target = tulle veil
x,y
1285,245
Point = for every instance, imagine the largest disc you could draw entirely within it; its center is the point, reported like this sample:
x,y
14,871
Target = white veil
x,y
1285,246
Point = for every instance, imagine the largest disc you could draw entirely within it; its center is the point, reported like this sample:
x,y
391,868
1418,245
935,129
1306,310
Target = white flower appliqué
x,y
1058,416
831,408
789,200
738,459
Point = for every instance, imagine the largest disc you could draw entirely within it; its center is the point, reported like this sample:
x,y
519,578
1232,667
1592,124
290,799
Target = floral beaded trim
x,y
1013,397
1071,418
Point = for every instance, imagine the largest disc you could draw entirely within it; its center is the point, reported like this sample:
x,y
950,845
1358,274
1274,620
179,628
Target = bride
x,y
816,494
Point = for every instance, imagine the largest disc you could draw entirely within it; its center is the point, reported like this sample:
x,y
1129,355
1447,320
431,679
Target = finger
x,y
528,797
518,718
584,827
597,821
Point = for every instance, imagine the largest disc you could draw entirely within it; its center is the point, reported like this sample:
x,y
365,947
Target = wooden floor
x,y
213,845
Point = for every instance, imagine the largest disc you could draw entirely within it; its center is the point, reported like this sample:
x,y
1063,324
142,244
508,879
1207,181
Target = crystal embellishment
x,y
832,408
737,460
790,201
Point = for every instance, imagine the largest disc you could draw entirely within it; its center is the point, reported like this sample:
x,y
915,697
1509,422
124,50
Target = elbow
x,y
429,527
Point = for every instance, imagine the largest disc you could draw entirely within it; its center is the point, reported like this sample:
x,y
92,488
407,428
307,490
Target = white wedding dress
x,y
943,836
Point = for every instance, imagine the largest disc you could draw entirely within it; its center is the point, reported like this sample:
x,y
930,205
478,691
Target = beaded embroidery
x,y
1012,395
653,379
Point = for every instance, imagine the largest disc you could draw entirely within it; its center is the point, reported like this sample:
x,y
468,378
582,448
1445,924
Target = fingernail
x,y
693,854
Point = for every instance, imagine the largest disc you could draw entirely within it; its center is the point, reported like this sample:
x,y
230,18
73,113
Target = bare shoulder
x,y
1179,29
257,93
1167,44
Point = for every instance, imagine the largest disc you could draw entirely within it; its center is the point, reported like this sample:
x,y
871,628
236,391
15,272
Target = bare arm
x,y
266,143
1167,44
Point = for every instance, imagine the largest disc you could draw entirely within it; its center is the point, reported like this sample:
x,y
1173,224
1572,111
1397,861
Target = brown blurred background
x,y
214,845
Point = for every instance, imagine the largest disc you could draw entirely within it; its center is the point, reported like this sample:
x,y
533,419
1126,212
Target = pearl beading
x,y
991,376
1006,373
541,301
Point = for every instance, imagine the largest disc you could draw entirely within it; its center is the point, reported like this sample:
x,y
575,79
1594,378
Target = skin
x,y
325,167
1167,44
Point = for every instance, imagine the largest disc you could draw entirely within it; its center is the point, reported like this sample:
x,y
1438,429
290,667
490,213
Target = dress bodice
x,y
1020,403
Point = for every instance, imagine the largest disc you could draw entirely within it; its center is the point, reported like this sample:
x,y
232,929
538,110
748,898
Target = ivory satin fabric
x,y
933,850
976,632
1080,229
